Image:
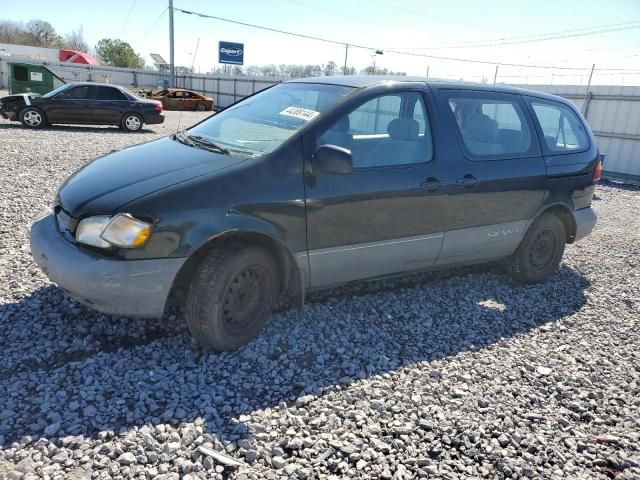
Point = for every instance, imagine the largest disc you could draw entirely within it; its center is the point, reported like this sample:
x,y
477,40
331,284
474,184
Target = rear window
x,y
108,93
491,127
562,129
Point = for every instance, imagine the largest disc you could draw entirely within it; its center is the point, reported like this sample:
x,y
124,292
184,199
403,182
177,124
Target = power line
x,y
427,15
127,19
578,32
365,47
153,24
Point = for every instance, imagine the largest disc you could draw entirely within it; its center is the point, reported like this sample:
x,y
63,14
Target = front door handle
x,y
469,181
431,184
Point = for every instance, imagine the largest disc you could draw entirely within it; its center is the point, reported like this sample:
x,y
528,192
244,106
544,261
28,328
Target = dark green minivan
x,y
318,182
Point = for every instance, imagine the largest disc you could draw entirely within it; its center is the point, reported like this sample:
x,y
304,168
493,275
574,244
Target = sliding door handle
x,y
469,181
431,184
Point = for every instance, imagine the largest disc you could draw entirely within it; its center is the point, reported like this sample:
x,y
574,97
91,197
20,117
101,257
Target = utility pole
x,y
427,72
171,59
495,75
586,93
346,53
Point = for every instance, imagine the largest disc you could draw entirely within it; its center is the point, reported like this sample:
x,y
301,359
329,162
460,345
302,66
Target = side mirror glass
x,y
332,159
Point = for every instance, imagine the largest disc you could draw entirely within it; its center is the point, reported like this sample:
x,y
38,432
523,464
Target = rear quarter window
x,y
562,129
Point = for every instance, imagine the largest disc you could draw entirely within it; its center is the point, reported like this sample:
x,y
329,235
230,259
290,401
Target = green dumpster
x,y
25,78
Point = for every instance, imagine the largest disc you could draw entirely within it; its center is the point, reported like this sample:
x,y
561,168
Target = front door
x,y
388,215
74,105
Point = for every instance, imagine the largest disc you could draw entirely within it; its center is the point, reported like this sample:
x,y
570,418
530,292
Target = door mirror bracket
x,y
332,159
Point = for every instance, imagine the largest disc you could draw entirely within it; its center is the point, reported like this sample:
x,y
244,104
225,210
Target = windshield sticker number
x,y
297,112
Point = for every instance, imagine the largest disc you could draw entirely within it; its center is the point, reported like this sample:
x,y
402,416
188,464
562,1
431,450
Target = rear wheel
x,y
33,117
231,296
131,122
540,252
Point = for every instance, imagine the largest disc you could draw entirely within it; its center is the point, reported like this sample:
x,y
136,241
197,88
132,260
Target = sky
x,y
495,31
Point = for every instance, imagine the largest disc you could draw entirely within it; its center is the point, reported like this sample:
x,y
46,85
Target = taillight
x,y
597,172
157,107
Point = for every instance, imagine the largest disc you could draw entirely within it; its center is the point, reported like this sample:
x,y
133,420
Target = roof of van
x,y
361,81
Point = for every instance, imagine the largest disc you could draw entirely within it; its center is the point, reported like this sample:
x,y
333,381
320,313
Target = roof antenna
x,y
193,62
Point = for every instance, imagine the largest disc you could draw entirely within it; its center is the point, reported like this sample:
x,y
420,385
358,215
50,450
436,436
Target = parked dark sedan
x,y
86,103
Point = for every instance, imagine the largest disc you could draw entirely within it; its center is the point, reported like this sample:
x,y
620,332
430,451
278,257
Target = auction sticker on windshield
x,y
297,112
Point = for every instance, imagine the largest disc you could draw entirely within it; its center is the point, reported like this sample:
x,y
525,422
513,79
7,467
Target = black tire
x,y
201,107
32,117
231,296
539,254
131,122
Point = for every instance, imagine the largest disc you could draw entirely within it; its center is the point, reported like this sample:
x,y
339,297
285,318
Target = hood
x,y
115,179
19,97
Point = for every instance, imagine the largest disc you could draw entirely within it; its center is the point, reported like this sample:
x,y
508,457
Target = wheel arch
x,y
33,107
565,213
130,112
292,283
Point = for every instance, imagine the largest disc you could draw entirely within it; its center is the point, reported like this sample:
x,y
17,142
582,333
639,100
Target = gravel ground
x,y
459,374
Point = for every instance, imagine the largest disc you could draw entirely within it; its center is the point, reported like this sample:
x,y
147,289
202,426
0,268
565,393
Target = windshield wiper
x,y
207,144
182,137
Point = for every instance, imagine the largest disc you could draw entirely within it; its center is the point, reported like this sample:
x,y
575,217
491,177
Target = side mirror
x,y
332,159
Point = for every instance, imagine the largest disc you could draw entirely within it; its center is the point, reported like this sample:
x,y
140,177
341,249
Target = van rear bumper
x,y
585,219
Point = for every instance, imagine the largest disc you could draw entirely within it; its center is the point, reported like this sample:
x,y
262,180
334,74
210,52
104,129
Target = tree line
x,y
118,53
299,71
40,33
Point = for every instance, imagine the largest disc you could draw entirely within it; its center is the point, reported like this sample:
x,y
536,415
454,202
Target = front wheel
x,y
231,296
201,108
131,122
32,117
540,252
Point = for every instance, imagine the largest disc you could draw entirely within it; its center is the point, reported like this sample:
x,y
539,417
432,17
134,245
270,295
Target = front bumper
x,y
137,288
9,115
585,219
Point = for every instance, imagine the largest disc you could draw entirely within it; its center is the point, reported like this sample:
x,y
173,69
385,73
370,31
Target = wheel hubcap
x,y
542,250
32,118
244,298
132,123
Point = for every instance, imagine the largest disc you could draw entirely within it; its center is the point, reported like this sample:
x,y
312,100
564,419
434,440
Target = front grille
x,y
66,223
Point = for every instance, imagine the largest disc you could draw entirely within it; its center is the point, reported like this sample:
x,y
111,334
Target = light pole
x,y
373,55
171,64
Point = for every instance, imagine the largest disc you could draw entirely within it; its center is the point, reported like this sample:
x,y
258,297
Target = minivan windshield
x,y
261,123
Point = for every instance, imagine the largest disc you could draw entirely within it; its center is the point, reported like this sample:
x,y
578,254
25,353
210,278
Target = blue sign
x,y
229,52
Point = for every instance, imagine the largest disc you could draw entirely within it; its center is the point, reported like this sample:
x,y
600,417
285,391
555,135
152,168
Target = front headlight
x,y
126,232
90,229
122,231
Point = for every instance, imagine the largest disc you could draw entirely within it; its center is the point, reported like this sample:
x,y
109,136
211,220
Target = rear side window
x,y
108,93
562,129
492,127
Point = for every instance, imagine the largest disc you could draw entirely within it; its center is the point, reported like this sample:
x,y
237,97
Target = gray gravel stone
x,y
456,374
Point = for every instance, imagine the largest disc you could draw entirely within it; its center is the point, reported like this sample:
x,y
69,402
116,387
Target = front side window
x,y
388,130
261,123
491,127
562,130
77,93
